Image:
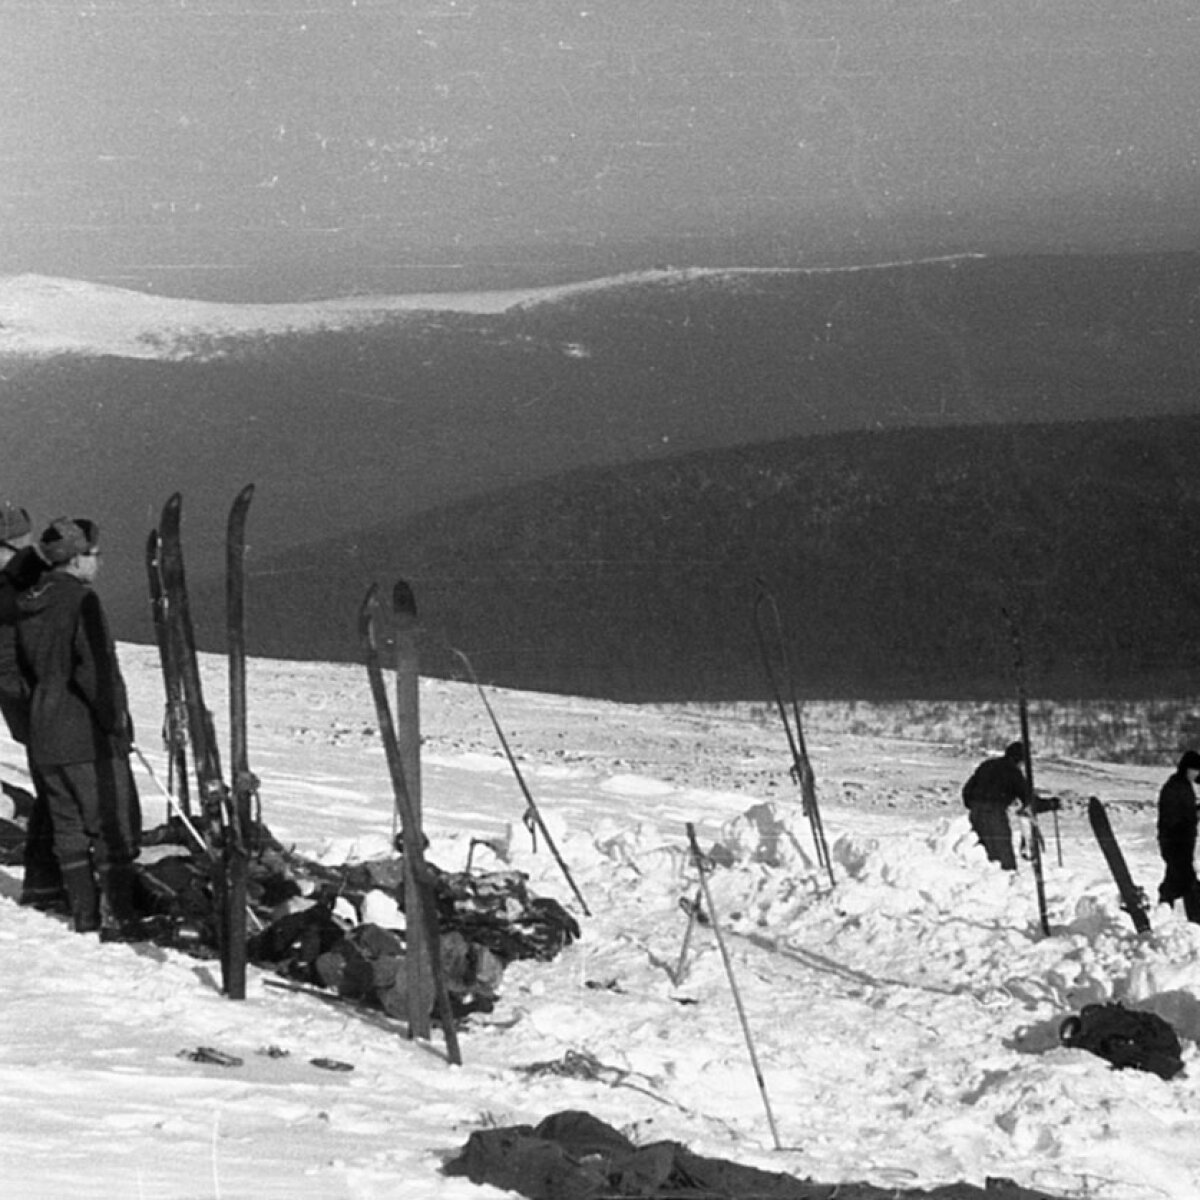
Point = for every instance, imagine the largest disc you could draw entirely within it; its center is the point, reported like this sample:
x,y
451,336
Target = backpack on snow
x,y
1125,1038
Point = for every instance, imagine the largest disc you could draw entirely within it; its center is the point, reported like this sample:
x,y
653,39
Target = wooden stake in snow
x,y
702,867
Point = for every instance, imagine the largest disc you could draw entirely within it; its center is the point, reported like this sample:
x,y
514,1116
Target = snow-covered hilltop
x,y
42,316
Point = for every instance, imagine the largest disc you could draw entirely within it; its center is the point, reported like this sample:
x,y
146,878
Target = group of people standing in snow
x,y
998,783
63,698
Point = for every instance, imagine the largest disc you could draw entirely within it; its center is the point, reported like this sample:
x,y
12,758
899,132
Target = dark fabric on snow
x,y
1126,1038
574,1156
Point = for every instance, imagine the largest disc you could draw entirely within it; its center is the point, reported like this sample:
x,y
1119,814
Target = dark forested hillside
x,y
892,555
345,428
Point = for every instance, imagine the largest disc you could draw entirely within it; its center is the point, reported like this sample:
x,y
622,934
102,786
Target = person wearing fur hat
x,y
21,563
21,566
16,536
1177,821
80,732
994,785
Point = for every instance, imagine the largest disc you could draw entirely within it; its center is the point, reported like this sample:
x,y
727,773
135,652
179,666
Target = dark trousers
x,y
97,821
1179,883
990,822
42,886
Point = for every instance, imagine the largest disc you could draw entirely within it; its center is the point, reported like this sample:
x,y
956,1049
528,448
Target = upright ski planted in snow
x,y
214,797
1030,795
533,813
175,716
424,923
1133,899
408,743
239,829
801,764
407,662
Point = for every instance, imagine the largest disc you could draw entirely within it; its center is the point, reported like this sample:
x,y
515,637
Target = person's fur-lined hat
x,y
14,522
1190,761
66,537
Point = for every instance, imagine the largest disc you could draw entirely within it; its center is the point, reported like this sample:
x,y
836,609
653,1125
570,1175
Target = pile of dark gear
x,y
575,1154
301,927
1125,1037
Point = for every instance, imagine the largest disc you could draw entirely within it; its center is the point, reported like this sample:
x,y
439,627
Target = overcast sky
x,y
264,147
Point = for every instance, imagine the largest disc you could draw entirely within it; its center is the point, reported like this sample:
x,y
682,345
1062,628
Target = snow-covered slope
x,y
42,315
906,1020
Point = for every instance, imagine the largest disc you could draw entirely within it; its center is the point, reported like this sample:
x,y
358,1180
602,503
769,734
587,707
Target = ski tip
x,y
466,662
403,600
366,612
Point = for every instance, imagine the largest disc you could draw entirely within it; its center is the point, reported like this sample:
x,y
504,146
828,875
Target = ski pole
x,y
529,800
801,766
694,912
172,802
698,858
1031,796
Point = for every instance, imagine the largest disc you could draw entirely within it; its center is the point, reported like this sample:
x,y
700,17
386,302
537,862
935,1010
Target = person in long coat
x,y
996,784
21,566
80,731
1177,836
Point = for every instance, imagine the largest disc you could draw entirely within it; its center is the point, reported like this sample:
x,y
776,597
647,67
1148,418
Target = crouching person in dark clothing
x,y
996,784
1177,821
80,733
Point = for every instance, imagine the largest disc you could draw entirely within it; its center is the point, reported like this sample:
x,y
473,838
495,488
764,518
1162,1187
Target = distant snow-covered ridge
x,y
41,316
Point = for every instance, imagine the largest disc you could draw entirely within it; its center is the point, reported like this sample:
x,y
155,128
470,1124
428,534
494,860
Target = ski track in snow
x,y
906,1020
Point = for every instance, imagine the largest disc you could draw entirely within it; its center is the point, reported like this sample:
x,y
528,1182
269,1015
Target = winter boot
x,y
82,895
120,917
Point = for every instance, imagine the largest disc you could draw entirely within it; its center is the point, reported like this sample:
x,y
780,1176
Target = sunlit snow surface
x,y
906,1020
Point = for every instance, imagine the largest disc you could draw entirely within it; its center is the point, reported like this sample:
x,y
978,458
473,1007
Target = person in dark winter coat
x,y
21,566
995,784
80,732
1177,836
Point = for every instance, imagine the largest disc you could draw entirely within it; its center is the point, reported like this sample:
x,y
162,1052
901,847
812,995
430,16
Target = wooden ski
x,y
424,923
1133,899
